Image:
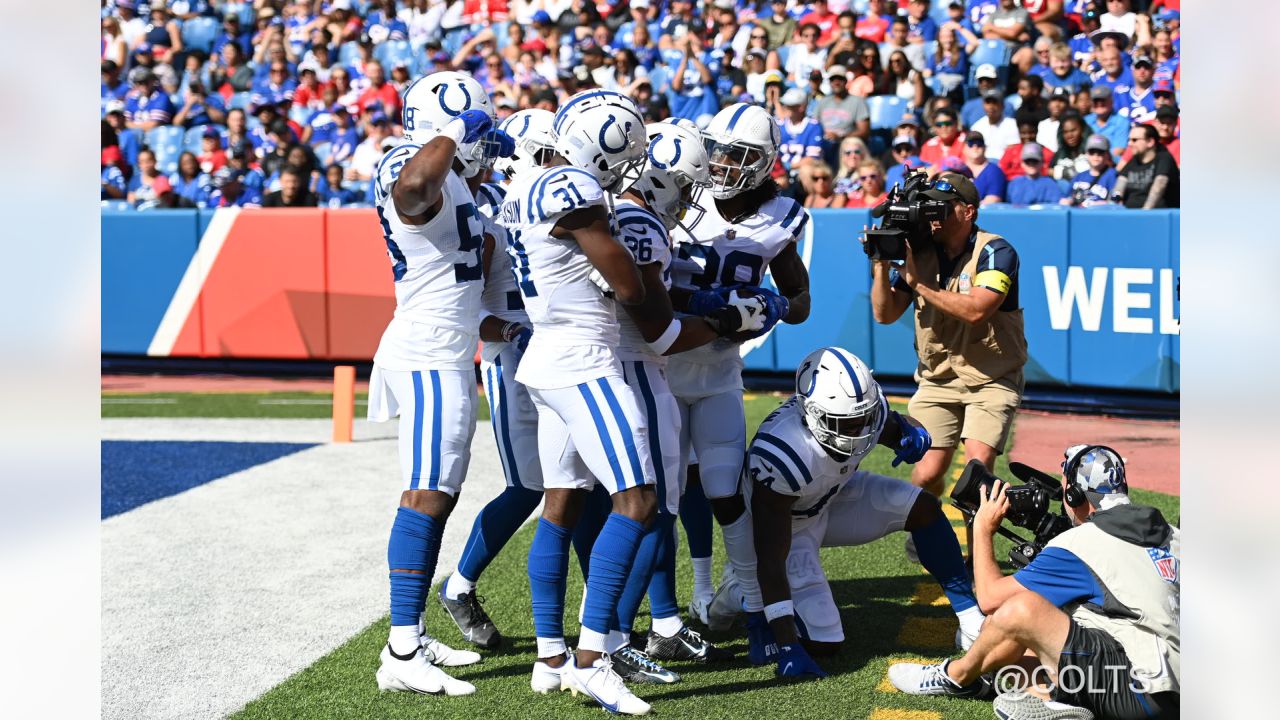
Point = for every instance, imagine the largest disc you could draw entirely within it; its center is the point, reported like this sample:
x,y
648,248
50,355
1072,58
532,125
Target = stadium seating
x,y
886,111
166,141
323,152
200,33
191,140
349,52
393,51
244,11
240,100
995,52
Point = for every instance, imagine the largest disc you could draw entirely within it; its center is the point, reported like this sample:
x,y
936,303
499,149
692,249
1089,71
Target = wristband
x,y
455,130
779,609
510,330
667,339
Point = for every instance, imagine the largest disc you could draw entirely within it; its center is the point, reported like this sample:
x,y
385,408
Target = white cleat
x,y
440,654
725,605
604,686
700,605
415,674
547,679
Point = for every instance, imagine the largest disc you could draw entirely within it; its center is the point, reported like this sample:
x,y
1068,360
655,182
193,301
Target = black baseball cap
x,y
953,186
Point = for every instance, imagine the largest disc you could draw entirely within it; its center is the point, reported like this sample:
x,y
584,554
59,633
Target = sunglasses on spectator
x,y
872,176
1030,161
975,143
944,123
759,37
822,177
853,151
1096,152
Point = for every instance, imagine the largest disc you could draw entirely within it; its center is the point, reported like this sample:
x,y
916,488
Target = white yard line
x,y
213,596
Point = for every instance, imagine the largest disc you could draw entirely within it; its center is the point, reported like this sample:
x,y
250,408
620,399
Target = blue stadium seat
x,y
244,10
116,205
886,111
240,100
938,11
784,51
323,152
995,52
200,32
930,49
299,113
191,140
660,78
166,141
393,51
348,52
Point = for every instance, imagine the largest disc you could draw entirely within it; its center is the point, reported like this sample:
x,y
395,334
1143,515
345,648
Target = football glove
x,y
598,280
521,340
913,441
475,124
742,314
762,648
506,144
705,302
776,307
793,661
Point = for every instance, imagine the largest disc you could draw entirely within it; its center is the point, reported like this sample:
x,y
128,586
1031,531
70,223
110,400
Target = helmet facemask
x,y
844,434
735,166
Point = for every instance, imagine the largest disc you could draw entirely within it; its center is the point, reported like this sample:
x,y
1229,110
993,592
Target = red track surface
x,y
1150,447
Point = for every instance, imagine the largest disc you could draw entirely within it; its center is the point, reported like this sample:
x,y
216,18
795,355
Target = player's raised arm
x,y
417,191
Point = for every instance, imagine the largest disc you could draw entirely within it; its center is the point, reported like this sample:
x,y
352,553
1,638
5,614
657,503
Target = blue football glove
x,y
913,443
705,302
475,123
776,307
506,144
521,340
793,661
762,649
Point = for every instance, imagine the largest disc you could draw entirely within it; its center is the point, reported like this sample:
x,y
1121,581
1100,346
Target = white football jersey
x,y
489,199
437,272
729,253
646,238
501,297
575,328
785,457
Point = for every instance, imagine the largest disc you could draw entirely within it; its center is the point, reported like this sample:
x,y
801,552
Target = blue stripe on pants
x,y
437,431
416,473
655,443
624,427
513,474
610,453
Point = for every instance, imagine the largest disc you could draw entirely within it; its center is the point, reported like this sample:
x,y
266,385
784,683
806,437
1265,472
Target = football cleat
x,y
472,621
684,645
413,673
725,604
601,683
437,653
917,679
636,666
699,605
547,679
1025,706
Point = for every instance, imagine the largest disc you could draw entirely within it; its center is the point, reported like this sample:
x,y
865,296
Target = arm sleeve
x,y
1061,578
998,267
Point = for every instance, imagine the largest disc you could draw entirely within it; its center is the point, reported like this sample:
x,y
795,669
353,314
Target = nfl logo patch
x,y
1166,564
965,285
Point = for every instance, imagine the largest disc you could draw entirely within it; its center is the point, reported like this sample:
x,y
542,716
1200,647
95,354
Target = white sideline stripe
x,y
184,298
302,401
138,401
214,596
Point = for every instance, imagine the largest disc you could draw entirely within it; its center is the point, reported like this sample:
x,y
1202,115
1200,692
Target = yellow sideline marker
x,y
344,402
895,714
928,632
929,593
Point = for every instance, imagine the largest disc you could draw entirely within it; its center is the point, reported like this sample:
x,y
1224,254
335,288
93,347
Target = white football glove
x,y
598,280
742,314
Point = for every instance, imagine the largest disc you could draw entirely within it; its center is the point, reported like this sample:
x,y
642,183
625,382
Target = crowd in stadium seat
x,y
208,103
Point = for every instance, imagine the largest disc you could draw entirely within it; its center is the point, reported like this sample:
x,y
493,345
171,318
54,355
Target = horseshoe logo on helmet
x,y
442,91
604,144
674,158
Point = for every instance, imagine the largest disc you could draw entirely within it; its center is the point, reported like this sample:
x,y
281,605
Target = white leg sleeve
x,y
739,545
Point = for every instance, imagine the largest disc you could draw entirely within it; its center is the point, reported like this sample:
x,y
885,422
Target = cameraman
x,y
1098,606
969,338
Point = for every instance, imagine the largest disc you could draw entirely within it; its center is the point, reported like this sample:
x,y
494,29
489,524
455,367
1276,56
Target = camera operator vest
x,y
1134,555
948,347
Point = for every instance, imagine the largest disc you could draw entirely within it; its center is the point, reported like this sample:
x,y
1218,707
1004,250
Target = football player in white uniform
x,y
423,367
645,214
589,424
747,228
805,491
505,330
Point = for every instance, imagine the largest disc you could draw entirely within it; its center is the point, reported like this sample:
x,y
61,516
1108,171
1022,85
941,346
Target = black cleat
x,y
472,620
685,645
635,666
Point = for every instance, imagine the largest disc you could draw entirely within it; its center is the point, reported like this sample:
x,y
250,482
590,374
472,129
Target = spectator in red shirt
x,y
211,157
307,94
946,141
1011,160
379,90
871,175
874,24
821,16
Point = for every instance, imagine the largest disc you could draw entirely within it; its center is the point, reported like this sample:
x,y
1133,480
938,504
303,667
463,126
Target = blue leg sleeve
x,y
939,553
414,546
642,570
611,560
548,569
662,587
594,513
493,527
695,515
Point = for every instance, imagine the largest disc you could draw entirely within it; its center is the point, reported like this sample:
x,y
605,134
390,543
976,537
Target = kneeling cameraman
x,y
1098,606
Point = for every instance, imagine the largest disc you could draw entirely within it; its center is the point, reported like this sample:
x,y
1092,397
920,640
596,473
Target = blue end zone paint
x,y
138,472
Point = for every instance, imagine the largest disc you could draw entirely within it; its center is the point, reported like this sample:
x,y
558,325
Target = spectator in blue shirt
x,y
1033,188
200,108
1062,71
801,135
147,106
693,92
973,111
382,24
904,159
189,181
229,190
130,140
988,178
319,126
330,191
345,137
232,33
1105,121
113,87
642,14
1114,73
114,186
1093,187
920,27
